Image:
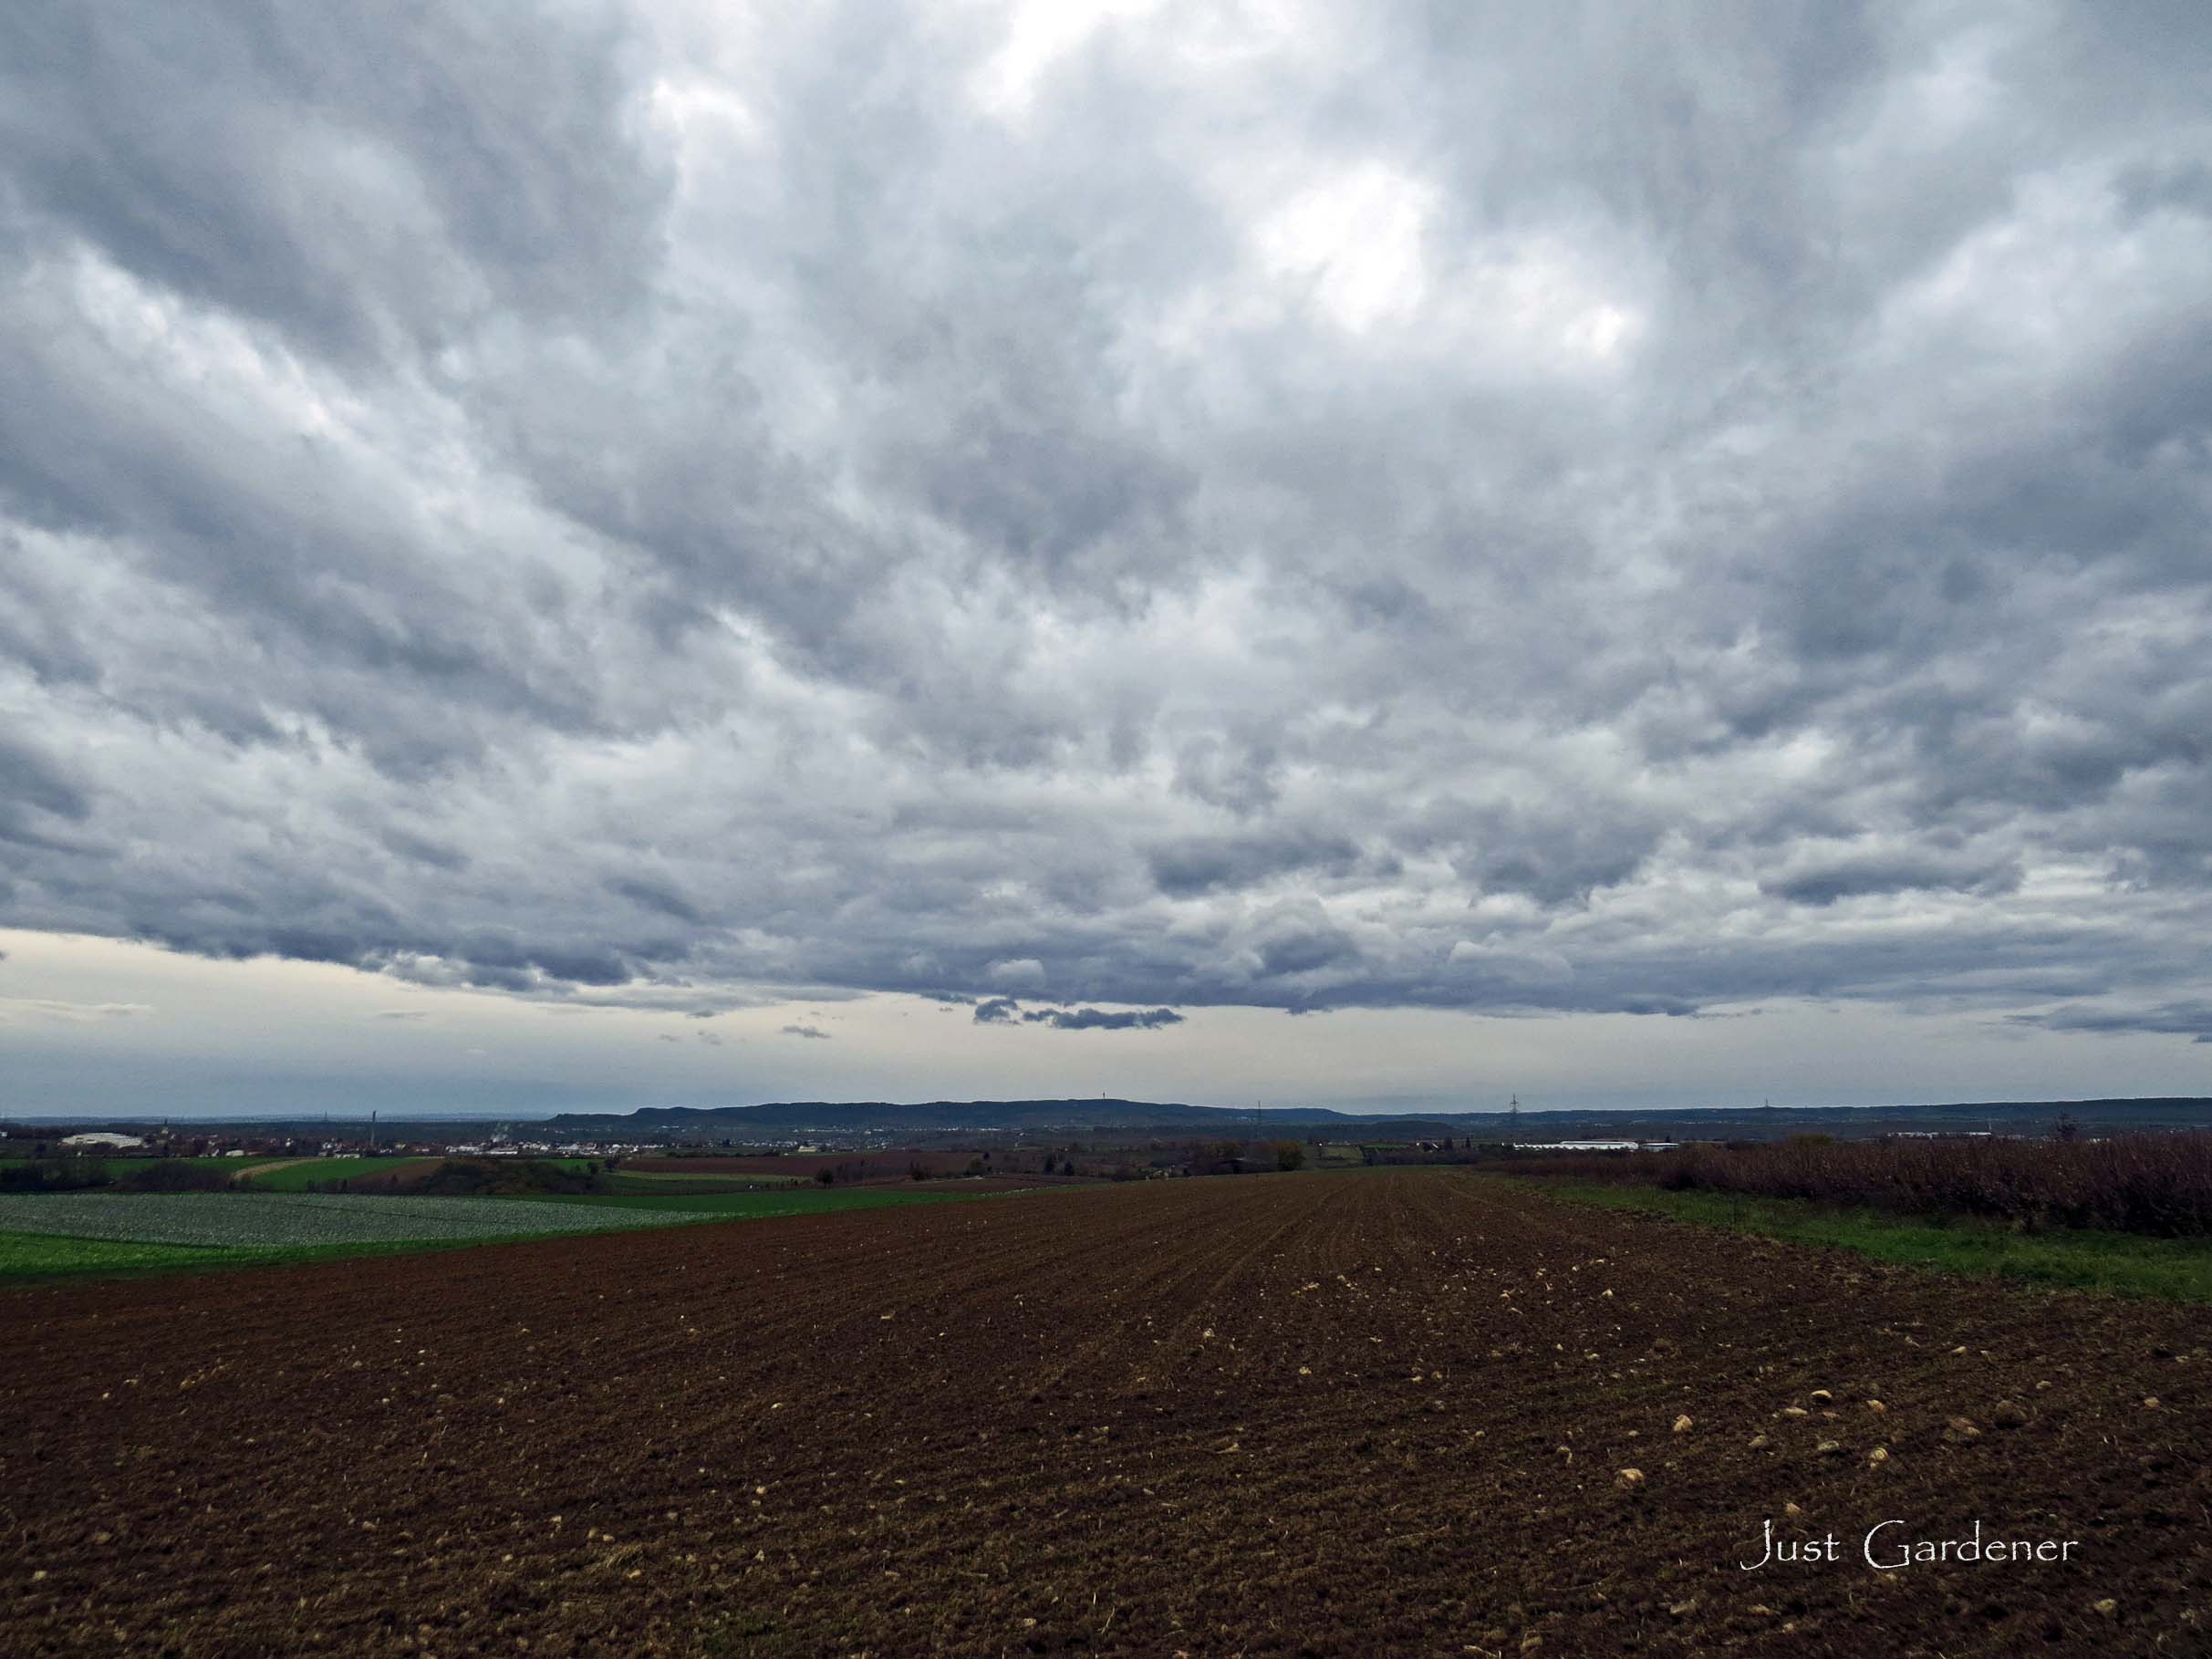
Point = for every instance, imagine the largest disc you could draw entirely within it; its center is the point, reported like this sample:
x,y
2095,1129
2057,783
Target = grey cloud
x,y
339,176
2146,187
37,797
814,1032
1102,1020
656,898
423,852
75,1013
1199,865
1299,939
1512,517
1023,972
2191,1019
1825,883
1557,856
33,779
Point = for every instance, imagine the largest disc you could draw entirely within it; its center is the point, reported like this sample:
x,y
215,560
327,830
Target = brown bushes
x,y
465,1178
2155,1184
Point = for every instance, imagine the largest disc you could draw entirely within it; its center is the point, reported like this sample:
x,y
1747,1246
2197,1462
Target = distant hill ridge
x,y
1073,1117
1168,1116
987,1115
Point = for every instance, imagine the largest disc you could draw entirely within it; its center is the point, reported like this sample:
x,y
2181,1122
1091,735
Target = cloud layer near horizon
x,y
1637,511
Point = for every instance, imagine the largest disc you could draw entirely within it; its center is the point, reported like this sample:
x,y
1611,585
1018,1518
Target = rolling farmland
x,y
51,1235
300,1174
1304,1414
279,1220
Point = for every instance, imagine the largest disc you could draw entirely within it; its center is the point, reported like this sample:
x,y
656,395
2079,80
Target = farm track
x,y
1301,1414
247,1171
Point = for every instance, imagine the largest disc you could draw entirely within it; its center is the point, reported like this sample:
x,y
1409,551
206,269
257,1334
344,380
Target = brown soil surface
x,y
854,1168
399,1177
1305,1415
1002,1183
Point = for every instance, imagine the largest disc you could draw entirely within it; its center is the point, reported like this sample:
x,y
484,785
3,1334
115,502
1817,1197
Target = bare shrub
x,y
2159,1185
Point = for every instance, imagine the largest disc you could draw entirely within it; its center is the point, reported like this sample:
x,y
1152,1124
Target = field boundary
x,y
46,1257
2114,1264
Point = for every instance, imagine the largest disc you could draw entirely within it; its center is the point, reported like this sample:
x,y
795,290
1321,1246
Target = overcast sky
x,y
603,553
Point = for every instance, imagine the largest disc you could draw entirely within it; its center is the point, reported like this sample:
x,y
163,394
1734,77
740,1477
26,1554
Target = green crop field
x,y
46,1236
318,1172
116,1168
2123,1264
47,1256
309,1174
660,1180
256,1221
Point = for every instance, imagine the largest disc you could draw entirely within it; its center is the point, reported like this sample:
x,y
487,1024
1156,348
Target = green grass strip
x,y
34,1256
658,1182
32,1259
2117,1264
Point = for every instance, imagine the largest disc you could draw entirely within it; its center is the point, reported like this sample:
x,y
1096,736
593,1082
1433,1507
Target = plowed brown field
x,y
1360,1414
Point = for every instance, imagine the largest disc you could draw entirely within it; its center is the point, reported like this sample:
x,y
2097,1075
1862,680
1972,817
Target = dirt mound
x,y
1379,1414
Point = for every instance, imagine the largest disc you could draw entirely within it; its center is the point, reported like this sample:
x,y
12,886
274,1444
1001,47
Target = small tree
x,y
1290,1154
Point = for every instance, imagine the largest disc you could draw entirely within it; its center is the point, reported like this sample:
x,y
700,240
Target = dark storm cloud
x,y
37,797
651,895
1641,510
32,779
1102,1020
364,178
1199,865
1825,883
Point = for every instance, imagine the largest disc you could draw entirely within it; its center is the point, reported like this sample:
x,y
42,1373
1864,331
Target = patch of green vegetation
x,y
91,1174
309,1174
2118,1264
31,1259
35,1257
313,1172
228,1219
644,1181
115,1169
31,1255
